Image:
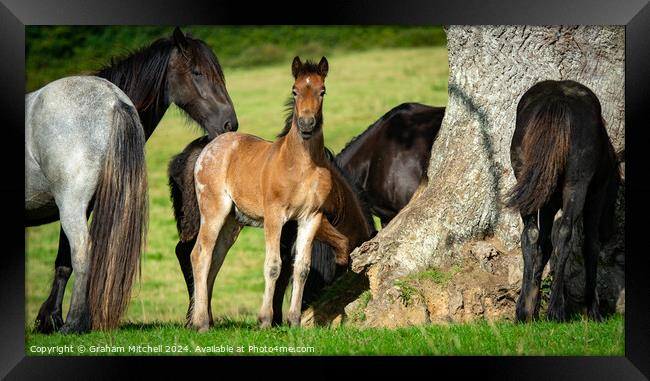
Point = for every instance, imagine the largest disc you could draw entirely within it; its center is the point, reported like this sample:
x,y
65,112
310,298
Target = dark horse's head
x,y
178,69
308,92
196,84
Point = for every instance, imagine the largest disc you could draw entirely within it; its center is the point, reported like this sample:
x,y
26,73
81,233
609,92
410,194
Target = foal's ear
x,y
179,39
295,66
323,67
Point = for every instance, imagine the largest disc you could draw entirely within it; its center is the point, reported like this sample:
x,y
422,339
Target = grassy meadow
x,y
361,87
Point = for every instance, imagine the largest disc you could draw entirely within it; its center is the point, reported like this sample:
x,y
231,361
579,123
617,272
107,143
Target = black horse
x,y
389,159
177,69
563,159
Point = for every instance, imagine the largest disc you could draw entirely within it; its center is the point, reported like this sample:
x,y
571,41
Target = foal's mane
x,y
141,73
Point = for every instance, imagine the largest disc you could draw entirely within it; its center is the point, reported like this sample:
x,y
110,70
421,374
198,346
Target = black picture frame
x,y
635,15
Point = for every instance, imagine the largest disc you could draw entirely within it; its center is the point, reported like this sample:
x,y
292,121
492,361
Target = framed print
x,y
425,183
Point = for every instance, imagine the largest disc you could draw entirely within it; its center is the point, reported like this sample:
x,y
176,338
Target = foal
x,y
244,180
562,159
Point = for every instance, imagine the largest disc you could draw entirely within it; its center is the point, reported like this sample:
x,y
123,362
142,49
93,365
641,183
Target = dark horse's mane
x,y
141,73
309,67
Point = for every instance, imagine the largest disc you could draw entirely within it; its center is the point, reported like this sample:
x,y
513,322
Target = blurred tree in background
x,y
56,51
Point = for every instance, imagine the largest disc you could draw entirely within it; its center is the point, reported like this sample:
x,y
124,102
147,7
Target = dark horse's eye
x,y
196,73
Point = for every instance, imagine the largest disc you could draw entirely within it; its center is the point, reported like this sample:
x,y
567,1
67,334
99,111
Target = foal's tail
x,y
119,224
544,148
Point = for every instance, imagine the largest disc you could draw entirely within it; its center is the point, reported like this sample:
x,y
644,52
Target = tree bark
x,y
458,223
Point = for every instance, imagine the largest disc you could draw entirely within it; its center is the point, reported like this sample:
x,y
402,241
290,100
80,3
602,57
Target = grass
x,y
244,338
361,87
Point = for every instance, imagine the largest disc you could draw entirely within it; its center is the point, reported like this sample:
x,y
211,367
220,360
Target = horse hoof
x,y
594,314
294,320
523,316
48,322
556,314
74,328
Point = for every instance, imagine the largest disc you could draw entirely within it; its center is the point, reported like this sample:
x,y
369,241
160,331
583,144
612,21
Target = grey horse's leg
x,y
50,315
73,221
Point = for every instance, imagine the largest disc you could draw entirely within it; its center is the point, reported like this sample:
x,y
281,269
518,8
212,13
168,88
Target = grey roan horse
x,y
83,137
180,70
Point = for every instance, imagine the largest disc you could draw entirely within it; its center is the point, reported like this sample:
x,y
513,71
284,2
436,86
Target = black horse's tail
x,y
183,195
119,223
544,151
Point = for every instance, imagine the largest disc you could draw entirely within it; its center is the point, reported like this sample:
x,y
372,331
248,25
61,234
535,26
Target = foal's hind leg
x,y
227,237
566,236
306,232
213,217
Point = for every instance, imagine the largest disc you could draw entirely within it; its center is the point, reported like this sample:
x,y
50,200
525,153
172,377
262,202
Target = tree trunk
x,y
452,254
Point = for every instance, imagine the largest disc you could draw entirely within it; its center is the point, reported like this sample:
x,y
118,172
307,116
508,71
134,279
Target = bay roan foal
x,y
244,180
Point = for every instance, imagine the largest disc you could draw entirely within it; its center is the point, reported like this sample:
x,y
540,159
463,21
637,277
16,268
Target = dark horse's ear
x,y
295,66
179,39
323,67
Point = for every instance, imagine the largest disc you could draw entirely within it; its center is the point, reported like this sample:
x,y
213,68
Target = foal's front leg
x,y
306,231
272,267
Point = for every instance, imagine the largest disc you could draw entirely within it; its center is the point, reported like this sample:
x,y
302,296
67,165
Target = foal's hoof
x,y
265,321
294,320
48,322
200,328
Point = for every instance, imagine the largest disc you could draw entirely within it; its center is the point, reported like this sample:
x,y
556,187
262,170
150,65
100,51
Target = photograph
x,y
333,190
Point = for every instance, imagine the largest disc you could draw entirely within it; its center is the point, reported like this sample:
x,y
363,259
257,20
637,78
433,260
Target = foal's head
x,y
196,84
308,93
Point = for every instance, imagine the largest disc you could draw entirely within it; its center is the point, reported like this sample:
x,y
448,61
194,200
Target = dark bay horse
x,y
389,159
563,159
180,70
242,180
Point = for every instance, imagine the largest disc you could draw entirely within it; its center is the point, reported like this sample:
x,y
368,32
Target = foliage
x,y
56,51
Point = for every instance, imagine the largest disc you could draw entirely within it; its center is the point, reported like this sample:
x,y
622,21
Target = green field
x,y
361,87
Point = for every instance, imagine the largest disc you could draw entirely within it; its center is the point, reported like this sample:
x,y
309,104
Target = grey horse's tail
x,y
119,224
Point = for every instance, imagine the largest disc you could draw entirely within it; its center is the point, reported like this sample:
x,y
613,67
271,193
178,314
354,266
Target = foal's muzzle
x,y
306,126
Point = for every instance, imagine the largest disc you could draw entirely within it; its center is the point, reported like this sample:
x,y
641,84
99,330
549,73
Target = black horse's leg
x,y
183,251
565,238
531,255
50,316
546,215
287,241
591,253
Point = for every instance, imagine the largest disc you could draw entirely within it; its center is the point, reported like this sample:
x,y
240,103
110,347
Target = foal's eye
x,y
322,93
294,92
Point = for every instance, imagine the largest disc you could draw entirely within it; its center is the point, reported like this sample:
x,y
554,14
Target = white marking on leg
x,y
306,232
